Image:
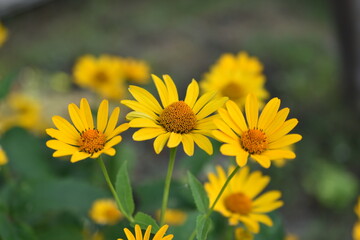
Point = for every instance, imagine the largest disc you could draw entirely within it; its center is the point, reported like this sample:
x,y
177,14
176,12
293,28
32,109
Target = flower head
x,y
3,34
105,211
3,157
241,201
235,76
82,140
136,71
263,138
173,121
138,234
103,75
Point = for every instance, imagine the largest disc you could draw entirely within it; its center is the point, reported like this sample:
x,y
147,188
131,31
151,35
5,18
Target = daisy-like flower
x,y
3,157
3,34
235,76
263,138
139,236
105,212
103,75
81,139
241,202
173,122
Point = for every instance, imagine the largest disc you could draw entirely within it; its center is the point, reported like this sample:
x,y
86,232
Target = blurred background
x,y
310,52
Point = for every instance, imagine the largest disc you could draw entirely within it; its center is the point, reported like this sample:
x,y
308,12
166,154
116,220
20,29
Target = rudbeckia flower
x,y
139,236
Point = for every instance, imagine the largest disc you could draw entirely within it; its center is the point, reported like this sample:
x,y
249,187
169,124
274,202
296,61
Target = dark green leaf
x,y
199,194
5,84
145,220
124,190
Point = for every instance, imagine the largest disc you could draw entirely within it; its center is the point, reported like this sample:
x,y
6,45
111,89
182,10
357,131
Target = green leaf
x,y
199,194
5,84
203,225
124,191
145,220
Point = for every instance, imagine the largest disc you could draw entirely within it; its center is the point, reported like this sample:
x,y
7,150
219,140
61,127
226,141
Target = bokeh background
x,y
309,52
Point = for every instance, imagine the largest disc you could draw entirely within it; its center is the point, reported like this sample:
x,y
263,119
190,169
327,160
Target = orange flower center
x,y
178,117
101,77
238,203
91,141
254,141
233,91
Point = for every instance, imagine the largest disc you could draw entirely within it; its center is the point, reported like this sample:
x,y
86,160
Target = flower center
x,y
178,117
238,203
91,141
254,141
100,77
233,91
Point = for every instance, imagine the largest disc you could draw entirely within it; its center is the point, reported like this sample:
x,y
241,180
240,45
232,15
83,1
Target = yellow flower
x,y
136,71
263,138
356,229
138,234
235,76
282,161
3,157
83,140
103,75
3,34
241,201
105,211
174,217
243,234
23,111
174,121
291,237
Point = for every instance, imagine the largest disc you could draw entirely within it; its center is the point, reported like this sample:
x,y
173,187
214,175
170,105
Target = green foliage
x,y
203,225
5,85
198,193
124,190
275,232
144,220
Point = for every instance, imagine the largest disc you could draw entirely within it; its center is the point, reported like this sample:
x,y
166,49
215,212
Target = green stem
x,y
167,185
112,189
211,209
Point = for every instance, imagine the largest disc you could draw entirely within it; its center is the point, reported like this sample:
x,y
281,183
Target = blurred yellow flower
x,y
139,236
173,217
3,157
82,140
241,202
356,229
105,211
243,234
103,75
263,138
22,111
236,76
136,71
3,34
291,237
174,121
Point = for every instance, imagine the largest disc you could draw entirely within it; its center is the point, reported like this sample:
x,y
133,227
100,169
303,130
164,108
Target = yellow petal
x,y
236,115
283,130
113,120
147,133
102,115
264,161
203,142
242,158
171,88
278,121
58,145
188,144
222,137
159,235
211,107
138,107
229,121
77,156
86,112
279,154
174,140
110,151
113,142
147,233
255,184
222,126
252,111
66,152
63,125
203,100
160,142
229,149
75,117
266,198
138,233
262,218
268,207
129,235
268,113
143,122
285,141
123,127
54,133
161,88
145,98
192,93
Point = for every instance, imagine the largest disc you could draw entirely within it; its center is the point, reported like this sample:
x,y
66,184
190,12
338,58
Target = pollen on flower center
x,y
238,203
92,141
254,141
233,91
178,117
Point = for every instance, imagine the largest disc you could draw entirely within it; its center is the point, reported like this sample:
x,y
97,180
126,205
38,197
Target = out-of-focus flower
x,y
3,157
93,236
356,229
236,76
263,138
291,237
22,111
173,217
103,75
243,234
139,236
3,34
81,139
241,202
174,121
105,211
136,71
